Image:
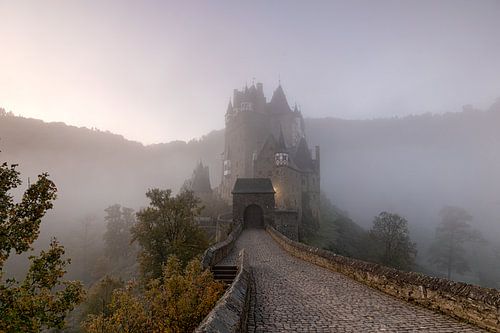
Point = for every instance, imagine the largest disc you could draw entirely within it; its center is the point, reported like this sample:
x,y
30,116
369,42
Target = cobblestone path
x,y
292,295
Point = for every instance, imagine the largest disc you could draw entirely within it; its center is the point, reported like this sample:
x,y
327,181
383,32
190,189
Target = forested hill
x,y
412,165
94,169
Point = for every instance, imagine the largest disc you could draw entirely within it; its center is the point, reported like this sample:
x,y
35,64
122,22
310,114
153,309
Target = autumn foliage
x,y
42,300
176,302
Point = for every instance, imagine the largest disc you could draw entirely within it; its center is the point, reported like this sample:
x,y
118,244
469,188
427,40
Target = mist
x,y
115,98
142,69
413,166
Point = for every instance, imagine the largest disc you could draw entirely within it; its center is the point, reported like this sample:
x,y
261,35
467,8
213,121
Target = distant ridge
x,y
412,165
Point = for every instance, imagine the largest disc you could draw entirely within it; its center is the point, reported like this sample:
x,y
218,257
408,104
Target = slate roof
x,y
278,103
302,156
253,185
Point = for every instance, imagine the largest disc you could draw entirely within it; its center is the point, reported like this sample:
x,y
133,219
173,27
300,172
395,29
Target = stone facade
x,y
267,140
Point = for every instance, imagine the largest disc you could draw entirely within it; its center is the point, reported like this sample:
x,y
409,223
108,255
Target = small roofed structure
x,y
253,202
253,186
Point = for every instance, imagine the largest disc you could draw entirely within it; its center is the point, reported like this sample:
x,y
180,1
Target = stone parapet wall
x,y
477,305
231,312
220,250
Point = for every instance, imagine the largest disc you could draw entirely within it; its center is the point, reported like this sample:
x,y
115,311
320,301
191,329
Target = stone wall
x,y
230,313
219,251
477,305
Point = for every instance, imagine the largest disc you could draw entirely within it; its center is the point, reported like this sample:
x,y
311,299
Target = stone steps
x,y
224,273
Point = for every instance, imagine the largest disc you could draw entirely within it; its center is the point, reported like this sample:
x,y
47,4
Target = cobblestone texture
x,y
292,295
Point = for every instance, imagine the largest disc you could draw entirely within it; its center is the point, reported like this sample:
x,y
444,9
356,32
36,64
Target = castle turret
x,y
199,182
201,179
246,129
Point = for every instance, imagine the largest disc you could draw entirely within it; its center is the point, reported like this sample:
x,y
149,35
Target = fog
x,y
142,68
413,166
402,98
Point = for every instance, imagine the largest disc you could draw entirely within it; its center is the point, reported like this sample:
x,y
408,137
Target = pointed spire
x,y
302,156
296,108
229,106
278,103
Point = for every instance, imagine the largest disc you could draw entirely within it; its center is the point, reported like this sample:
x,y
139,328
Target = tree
x,y
167,227
41,300
213,206
126,313
86,242
390,232
448,252
176,302
100,295
117,237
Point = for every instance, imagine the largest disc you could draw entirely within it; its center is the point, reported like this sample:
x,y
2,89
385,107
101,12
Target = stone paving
x,y
292,295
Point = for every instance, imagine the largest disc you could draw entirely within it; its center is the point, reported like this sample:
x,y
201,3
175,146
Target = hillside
x,y
412,165
94,169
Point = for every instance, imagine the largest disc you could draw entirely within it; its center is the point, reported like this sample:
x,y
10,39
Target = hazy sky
x,y
156,71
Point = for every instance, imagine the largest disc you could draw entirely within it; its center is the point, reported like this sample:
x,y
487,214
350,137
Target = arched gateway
x,y
253,202
253,217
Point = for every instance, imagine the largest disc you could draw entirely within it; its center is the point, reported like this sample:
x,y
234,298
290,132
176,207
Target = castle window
x,y
227,167
246,106
281,159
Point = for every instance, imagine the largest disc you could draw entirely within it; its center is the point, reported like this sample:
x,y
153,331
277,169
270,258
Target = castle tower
x,y
246,129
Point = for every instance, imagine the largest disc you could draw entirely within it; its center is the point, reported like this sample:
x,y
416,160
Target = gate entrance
x,y
253,217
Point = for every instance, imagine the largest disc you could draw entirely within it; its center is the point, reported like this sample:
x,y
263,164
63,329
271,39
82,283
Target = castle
x,y
267,140
268,169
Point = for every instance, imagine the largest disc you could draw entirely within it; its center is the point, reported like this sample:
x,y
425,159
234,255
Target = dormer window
x,y
281,159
